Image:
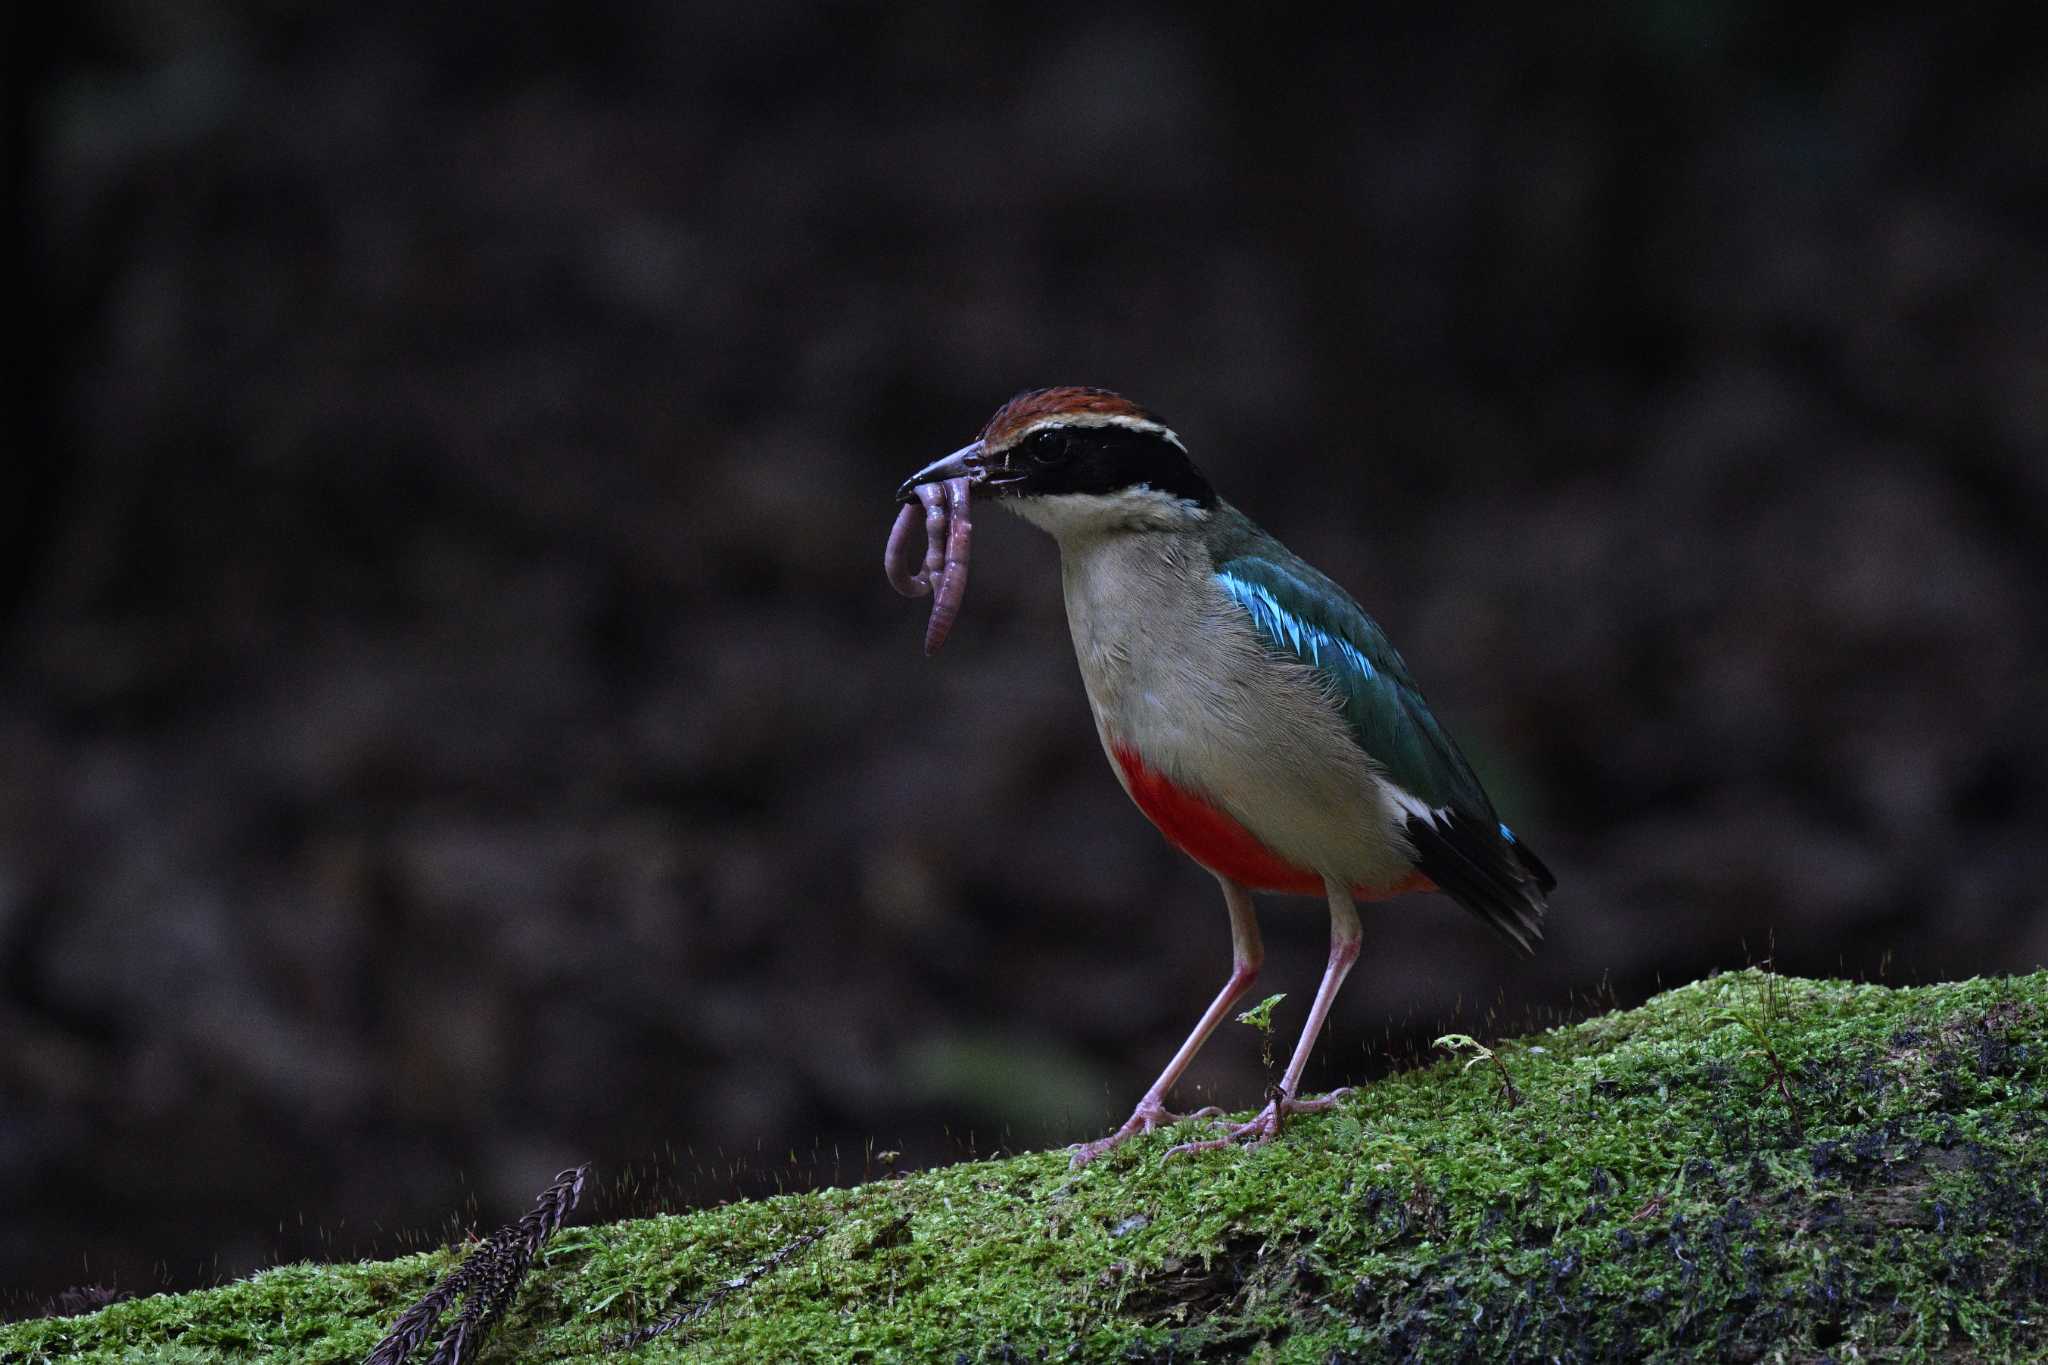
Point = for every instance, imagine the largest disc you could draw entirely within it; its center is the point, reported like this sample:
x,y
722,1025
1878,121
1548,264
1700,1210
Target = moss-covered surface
x,y
1652,1196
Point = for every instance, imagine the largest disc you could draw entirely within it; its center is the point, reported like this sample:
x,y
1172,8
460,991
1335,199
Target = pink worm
x,y
948,534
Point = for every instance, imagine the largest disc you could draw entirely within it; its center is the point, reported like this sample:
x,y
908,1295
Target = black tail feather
x,y
1533,865
1496,878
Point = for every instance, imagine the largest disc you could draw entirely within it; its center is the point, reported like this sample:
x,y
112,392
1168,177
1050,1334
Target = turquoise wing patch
x,y
1302,614
1458,841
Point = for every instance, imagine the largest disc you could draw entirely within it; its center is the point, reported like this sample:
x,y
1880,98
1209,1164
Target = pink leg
x,y
1344,938
1246,953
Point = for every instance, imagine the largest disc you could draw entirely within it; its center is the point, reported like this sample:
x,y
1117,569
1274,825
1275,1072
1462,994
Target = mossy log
x,y
1748,1168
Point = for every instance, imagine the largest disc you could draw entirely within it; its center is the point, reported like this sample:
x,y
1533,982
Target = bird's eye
x,y
1046,447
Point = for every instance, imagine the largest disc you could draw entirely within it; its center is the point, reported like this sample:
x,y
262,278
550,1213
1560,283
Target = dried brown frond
x,y
486,1282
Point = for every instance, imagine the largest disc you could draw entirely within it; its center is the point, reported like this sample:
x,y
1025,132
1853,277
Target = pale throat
x,y
1067,516
1139,623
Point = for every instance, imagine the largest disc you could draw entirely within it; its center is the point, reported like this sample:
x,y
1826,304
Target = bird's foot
x,y
1149,1114
1265,1127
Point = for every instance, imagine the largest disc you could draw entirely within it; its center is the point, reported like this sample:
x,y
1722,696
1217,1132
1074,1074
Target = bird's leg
x,y
1246,953
1344,939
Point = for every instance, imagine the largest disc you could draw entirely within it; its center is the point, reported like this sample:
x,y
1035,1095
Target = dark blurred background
x,y
453,723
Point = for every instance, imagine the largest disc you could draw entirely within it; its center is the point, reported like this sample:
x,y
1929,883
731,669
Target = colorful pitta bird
x,y
1248,705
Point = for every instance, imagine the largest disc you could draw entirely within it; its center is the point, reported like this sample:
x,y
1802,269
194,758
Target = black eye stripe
x,y
1110,459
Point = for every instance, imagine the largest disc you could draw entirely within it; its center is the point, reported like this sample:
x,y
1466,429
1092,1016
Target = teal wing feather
x,y
1459,841
1301,613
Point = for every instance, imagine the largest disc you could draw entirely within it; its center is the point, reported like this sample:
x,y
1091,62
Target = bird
x,y
1249,707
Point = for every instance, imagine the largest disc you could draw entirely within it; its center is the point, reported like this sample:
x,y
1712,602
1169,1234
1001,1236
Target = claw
x,y
1149,1115
1262,1129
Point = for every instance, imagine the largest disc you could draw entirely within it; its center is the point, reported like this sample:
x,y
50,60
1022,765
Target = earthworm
x,y
902,577
949,532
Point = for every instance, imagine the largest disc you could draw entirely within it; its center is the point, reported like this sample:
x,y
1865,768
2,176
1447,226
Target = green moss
x,y
1653,1195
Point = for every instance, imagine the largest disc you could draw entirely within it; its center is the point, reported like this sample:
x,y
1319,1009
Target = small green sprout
x,y
1260,1017
1465,1042
1760,1021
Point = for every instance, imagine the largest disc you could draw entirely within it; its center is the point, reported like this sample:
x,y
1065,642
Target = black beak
x,y
966,462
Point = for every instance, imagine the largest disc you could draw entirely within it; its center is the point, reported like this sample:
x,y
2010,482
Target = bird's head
x,y
1079,460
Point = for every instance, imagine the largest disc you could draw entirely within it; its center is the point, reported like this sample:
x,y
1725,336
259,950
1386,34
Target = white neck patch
x,y
1069,515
